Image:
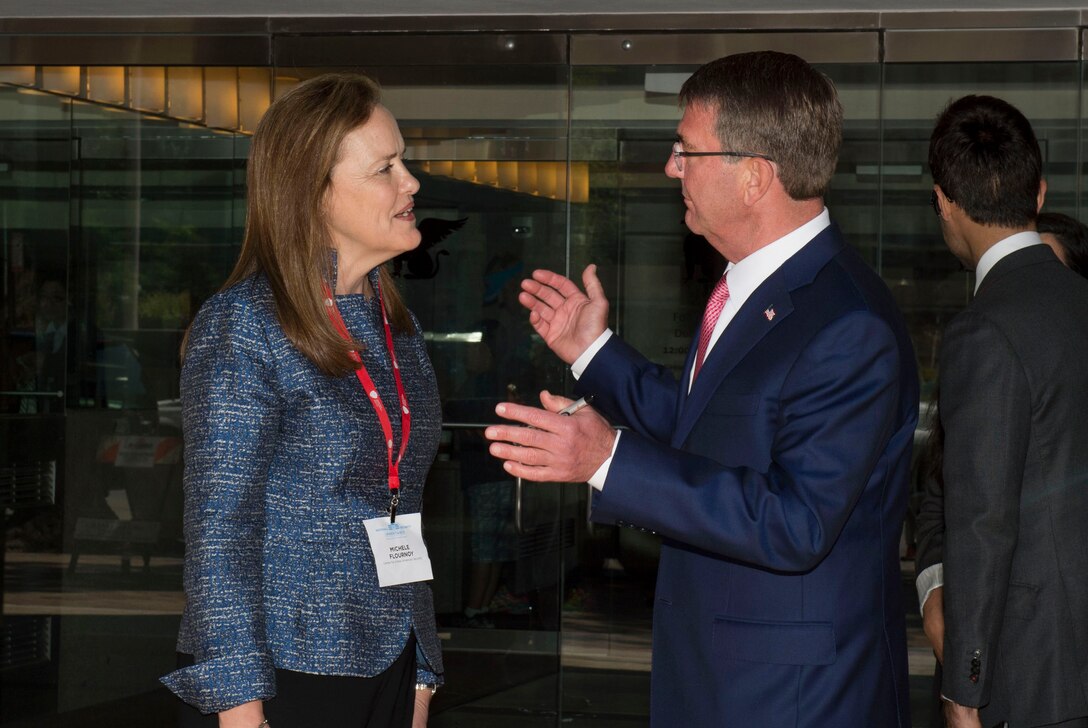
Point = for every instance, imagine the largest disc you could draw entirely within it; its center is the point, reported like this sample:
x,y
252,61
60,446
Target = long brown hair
x,y
295,147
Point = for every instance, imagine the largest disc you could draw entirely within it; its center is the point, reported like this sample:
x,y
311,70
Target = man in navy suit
x,y
776,469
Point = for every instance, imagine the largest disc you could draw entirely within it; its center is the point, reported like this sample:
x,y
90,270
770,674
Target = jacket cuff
x,y
582,362
932,577
224,682
424,676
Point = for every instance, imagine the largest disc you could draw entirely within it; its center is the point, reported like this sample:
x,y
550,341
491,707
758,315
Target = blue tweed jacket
x,y
282,465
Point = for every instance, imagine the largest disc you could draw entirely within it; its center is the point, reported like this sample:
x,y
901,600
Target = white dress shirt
x,y
744,278
932,576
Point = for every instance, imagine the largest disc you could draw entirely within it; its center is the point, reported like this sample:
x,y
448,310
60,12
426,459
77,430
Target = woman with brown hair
x,y
311,416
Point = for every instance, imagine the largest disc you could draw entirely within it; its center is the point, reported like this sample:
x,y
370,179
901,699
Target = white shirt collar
x,y
1016,241
748,274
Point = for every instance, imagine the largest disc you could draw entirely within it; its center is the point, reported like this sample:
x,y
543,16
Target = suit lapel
x,y
751,323
767,307
681,401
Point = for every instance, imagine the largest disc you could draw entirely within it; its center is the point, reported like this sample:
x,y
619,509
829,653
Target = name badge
x,y
398,549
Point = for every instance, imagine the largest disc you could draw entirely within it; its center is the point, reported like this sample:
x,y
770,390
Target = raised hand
x,y
566,318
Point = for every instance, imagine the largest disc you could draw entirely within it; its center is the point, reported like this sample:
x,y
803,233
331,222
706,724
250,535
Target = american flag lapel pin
x,y
769,313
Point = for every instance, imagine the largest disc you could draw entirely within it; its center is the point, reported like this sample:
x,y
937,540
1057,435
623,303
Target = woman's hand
x,y
423,707
246,715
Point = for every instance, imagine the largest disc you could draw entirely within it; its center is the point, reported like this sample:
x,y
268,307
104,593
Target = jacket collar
x,y
767,307
332,270
1014,261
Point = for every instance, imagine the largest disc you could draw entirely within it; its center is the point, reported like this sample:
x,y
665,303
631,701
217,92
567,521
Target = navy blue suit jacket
x,y
779,485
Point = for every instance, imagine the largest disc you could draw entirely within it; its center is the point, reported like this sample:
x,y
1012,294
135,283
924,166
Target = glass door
x,y
494,176
114,226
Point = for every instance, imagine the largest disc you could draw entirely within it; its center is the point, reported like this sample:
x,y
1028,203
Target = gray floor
x,y
607,698
507,675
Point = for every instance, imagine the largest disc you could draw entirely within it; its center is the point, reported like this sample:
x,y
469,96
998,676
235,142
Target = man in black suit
x,y
1014,390
1068,238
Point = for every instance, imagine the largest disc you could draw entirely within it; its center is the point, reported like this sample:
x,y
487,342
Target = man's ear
x,y
759,176
1041,197
943,202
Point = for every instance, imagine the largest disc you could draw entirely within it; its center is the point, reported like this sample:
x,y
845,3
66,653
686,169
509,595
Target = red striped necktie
x,y
714,307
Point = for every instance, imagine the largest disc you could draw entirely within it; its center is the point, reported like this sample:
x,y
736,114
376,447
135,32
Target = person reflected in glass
x,y
488,492
497,367
41,372
307,393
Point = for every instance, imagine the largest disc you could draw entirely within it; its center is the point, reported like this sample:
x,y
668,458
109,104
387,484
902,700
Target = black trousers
x,y
302,700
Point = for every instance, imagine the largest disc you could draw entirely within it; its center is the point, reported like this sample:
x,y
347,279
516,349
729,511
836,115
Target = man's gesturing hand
x,y
553,448
567,319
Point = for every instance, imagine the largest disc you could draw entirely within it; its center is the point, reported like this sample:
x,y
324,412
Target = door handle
x,y
58,394
517,506
589,509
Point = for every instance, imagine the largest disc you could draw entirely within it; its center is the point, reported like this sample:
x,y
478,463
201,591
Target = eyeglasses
x,y
678,155
937,203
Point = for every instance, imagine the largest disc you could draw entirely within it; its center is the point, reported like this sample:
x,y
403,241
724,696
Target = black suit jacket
x,y
1014,404
929,538
929,523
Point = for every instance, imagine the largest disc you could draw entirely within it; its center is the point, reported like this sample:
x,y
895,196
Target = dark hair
x,y
774,104
295,147
1071,234
984,156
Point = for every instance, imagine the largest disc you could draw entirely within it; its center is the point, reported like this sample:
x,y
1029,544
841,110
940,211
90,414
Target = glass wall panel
x,y
656,277
36,155
115,227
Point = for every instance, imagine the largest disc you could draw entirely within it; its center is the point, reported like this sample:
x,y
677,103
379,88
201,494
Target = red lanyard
x,y
375,398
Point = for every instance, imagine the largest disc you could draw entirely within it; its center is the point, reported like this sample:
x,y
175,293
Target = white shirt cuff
x,y
598,478
586,356
931,578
